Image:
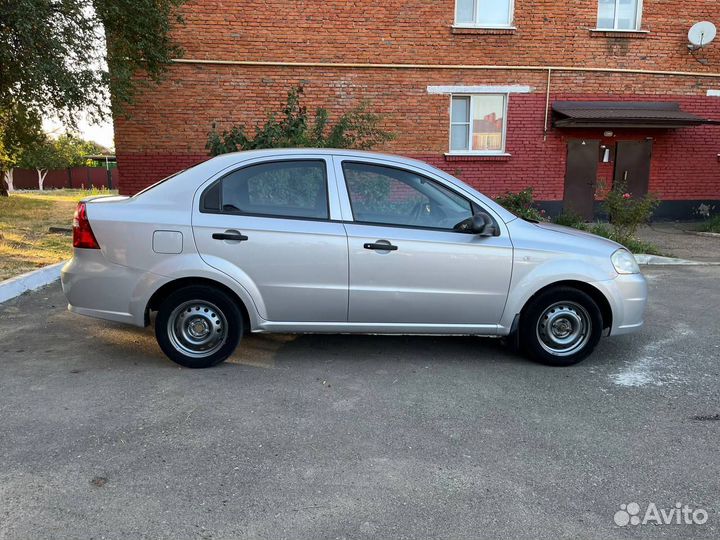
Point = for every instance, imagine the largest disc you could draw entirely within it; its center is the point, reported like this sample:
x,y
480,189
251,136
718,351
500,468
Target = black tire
x,y
567,314
198,326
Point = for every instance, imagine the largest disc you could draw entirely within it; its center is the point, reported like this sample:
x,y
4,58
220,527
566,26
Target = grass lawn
x,y
25,216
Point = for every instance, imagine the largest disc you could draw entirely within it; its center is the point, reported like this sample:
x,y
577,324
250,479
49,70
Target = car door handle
x,y
238,237
381,247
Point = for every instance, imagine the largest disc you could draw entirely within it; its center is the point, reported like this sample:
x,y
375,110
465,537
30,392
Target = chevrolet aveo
x,y
339,241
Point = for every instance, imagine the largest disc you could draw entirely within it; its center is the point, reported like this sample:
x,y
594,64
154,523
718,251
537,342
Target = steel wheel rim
x,y
564,328
197,328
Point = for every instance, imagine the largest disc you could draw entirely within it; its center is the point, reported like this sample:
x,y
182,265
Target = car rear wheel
x,y
560,327
198,326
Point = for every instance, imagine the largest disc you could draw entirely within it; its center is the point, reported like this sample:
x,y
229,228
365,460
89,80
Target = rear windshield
x,y
156,184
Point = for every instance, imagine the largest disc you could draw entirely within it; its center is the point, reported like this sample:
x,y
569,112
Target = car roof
x,y
236,157
191,178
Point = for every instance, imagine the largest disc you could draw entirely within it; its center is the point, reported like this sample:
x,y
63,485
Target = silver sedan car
x,y
340,241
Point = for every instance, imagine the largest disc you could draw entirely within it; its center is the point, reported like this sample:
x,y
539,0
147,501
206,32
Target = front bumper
x,y
627,295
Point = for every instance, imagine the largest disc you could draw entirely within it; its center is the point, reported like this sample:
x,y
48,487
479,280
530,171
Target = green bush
x,y
522,204
602,229
357,128
626,212
571,219
633,244
711,225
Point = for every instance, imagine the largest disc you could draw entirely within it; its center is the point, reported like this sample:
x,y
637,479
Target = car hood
x,y
582,236
548,236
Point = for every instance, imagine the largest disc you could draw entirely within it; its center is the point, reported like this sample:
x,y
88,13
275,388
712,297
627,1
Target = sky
x,y
101,134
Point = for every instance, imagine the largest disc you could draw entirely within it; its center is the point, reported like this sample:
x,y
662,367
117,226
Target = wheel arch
x,y
170,287
593,292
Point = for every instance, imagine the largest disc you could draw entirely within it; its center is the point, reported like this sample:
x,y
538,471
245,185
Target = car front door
x,y
269,225
408,262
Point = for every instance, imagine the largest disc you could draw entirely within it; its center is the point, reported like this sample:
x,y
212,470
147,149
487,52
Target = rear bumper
x,y
98,288
627,295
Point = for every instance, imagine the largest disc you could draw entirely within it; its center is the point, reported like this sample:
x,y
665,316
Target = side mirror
x,y
482,225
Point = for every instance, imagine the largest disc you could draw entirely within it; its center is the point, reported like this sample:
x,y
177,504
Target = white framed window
x,y
478,124
619,14
484,13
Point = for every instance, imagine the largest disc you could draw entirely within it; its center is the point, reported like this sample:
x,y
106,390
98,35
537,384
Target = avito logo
x,y
680,514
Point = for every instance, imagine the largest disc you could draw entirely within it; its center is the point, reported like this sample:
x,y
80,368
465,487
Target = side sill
x,y
489,330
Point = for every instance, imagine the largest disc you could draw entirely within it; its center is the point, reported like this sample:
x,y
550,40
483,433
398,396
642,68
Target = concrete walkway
x,y
678,240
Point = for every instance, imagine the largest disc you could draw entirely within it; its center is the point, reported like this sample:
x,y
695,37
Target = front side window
x,y
295,189
477,124
389,196
619,14
484,13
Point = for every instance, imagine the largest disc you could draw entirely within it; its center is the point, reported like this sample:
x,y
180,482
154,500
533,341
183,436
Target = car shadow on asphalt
x,y
272,350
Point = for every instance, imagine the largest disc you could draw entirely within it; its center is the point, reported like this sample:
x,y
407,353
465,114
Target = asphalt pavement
x,y
313,437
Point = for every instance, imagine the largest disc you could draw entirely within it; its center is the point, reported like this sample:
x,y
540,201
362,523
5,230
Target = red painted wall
x,y
79,177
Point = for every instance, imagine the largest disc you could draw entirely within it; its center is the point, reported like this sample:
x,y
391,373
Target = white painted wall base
x,y
10,288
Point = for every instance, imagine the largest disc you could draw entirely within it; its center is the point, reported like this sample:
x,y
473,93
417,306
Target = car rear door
x,y
273,225
407,263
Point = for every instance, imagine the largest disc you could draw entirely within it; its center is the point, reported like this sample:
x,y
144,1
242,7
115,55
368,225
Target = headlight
x,y
624,262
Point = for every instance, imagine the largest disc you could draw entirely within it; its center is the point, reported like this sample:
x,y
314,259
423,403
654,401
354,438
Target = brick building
x,y
487,90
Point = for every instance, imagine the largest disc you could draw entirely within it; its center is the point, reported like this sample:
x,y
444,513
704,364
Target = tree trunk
x,y
7,176
42,173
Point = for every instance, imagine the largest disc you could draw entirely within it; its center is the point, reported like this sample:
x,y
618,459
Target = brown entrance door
x,y
580,177
632,164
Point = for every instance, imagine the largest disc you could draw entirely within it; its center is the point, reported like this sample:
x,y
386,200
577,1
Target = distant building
x,y
562,96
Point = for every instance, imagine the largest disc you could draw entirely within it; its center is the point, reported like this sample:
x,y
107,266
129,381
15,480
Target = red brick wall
x,y
169,124
419,31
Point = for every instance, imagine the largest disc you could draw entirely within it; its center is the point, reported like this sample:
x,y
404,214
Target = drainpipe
x,y
547,104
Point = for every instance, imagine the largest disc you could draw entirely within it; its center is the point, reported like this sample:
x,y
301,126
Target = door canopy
x,y
624,114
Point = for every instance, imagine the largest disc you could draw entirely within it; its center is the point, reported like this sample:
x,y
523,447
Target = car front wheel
x,y
198,326
560,327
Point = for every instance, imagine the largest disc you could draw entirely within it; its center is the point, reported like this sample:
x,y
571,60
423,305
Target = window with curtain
x,y
477,124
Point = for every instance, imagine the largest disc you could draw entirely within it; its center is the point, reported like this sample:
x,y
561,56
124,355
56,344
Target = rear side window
x,y
294,189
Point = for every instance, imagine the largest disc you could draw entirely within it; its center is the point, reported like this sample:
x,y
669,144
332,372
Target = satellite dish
x,y
701,34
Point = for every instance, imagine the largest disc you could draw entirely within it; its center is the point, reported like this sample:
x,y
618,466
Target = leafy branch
x,y
358,128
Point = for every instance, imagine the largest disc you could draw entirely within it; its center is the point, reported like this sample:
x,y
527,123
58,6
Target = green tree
x,y
54,59
44,156
357,128
62,57
75,150
19,129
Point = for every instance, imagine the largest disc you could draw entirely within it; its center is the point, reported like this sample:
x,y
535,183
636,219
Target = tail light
x,y
83,236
